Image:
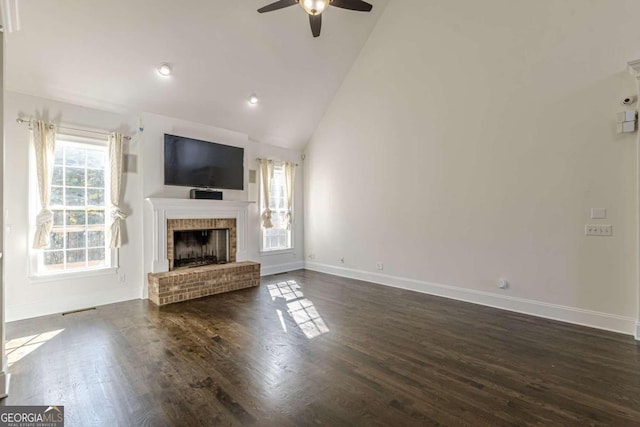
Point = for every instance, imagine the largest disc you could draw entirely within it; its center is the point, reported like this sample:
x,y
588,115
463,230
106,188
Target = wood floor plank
x,y
307,348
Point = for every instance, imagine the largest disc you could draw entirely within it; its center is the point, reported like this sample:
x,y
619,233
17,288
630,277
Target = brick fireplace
x,y
199,249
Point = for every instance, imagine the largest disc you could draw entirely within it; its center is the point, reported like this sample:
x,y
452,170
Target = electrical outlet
x,y
379,266
123,278
311,256
598,230
342,260
503,284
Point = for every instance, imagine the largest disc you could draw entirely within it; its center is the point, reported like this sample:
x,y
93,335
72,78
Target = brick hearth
x,y
191,283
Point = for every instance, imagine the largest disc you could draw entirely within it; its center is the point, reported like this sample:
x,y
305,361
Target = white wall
x,y
26,297
469,142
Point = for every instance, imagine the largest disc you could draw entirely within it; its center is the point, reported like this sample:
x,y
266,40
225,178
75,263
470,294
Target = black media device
x,y
205,194
194,163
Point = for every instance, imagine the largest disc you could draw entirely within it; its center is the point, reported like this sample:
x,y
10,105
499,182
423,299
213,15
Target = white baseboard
x,y
77,302
267,270
594,319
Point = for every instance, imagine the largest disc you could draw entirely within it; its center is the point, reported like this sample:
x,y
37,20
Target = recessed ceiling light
x,y
164,70
253,99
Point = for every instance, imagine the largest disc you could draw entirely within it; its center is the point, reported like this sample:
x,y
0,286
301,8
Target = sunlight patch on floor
x,y
288,290
299,308
306,316
18,348
281,317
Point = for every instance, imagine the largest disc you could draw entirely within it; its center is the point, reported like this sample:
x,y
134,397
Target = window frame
x,y
36,270
290,232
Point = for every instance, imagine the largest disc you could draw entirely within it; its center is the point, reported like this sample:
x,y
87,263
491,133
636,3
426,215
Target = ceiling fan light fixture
x,y
314,7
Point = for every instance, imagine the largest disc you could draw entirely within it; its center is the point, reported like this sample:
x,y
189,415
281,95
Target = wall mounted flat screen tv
x,y
193,163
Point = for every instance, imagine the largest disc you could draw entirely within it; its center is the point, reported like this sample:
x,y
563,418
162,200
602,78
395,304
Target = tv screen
x,y
194,163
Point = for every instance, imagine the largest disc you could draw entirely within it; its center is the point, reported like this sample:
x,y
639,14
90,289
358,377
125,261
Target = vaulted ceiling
x,y
104,54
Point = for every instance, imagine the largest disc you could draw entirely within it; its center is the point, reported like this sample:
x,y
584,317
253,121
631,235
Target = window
x,y
79,198
278,237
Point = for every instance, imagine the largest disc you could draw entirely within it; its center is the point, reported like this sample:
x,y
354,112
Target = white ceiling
x,y
103,54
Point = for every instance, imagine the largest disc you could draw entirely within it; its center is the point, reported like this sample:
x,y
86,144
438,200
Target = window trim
x,y
279,251
74,274
34,273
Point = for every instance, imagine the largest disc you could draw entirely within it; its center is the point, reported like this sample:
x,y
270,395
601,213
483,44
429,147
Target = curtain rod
x,y
260,158
28,122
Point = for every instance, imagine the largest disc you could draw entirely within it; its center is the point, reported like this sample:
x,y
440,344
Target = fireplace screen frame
x,y
189,223
203,252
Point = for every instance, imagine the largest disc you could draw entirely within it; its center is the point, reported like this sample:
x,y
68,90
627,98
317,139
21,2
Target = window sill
x,y
70,275
277,252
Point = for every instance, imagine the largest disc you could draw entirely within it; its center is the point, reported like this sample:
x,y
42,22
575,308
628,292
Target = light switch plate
x,y
628,127
598,213
626,116
598,230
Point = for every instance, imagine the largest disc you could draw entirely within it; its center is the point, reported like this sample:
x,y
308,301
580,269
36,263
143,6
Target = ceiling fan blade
x,y
359,5
316,24
281,4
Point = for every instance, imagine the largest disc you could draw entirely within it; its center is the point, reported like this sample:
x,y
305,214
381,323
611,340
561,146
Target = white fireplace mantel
x,y
164,209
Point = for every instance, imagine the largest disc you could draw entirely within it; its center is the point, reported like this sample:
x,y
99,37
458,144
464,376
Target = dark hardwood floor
x,y
307,348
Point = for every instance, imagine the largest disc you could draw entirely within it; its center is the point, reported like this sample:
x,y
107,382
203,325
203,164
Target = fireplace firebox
x,y
194,248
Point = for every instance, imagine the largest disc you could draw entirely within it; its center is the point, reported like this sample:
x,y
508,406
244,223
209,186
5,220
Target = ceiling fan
x,y
315,8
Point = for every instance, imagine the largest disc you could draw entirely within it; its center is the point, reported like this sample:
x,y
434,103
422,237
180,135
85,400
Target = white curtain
x,y
116,148
266,175
43,136
289,178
